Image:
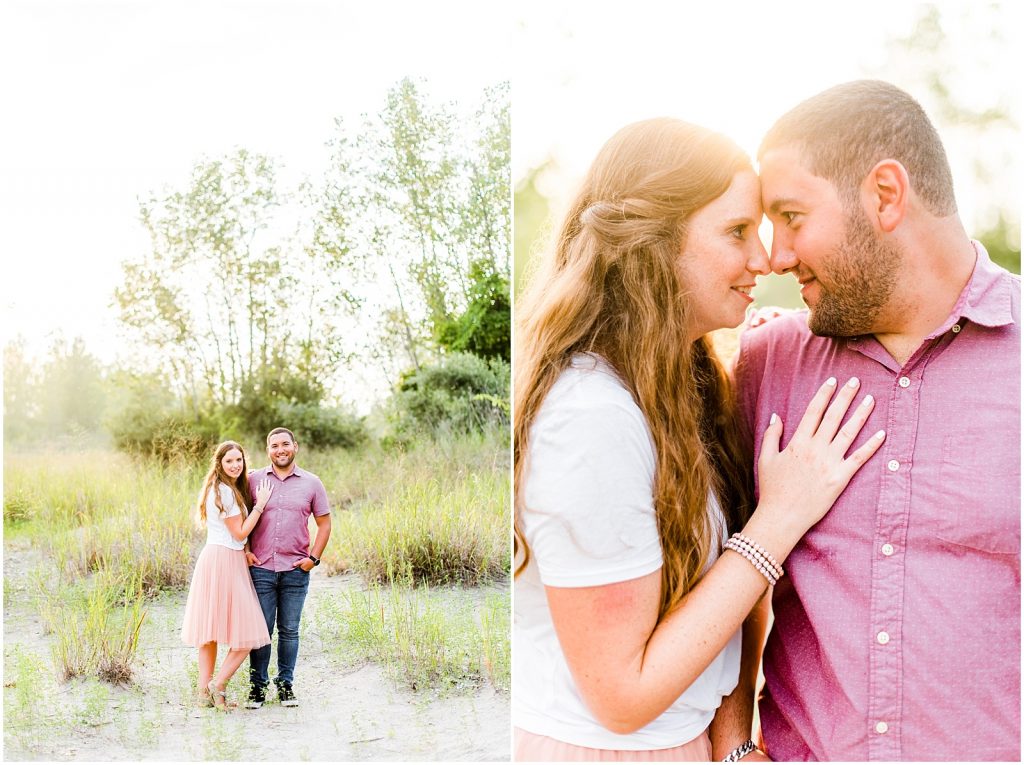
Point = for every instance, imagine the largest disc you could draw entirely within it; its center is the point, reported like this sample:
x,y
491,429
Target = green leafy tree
x,y
485,326
222,296
71,390
415,178
419,201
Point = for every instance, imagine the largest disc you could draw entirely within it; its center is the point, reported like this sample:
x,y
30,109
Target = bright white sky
x,y
107,101
733,67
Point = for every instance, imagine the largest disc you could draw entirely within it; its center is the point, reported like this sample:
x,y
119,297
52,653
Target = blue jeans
x,y
281,595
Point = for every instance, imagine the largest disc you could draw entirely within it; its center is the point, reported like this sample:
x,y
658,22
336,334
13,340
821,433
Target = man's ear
x,y
886,192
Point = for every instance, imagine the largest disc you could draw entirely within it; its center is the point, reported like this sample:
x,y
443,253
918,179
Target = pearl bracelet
x,y
757,556
763,557
771,558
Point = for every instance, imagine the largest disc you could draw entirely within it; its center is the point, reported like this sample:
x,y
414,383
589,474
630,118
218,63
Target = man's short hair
x,y
275,431
846,130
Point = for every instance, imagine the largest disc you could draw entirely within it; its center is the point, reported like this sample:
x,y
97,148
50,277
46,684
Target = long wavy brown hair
x,y
611,286
216,474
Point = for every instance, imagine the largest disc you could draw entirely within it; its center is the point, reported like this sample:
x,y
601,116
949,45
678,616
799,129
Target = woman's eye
x,y
790,217
739,231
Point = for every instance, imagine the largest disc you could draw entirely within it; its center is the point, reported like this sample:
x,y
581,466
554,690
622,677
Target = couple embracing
x,y
253,573
856,471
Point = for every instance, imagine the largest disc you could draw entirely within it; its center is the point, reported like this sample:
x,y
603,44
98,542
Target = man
x,y
897,625
280,559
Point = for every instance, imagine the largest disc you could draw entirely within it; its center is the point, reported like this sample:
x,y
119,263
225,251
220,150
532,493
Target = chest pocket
x,y
980,493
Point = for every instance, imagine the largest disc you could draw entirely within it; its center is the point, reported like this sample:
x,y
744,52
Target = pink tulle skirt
x,y
222,606
531,747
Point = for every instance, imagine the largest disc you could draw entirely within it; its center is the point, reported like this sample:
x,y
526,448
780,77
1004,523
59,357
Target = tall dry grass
x,y
425,638
116,530
103,511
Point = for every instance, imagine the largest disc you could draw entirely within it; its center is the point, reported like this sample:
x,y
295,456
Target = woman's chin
x,y
733,322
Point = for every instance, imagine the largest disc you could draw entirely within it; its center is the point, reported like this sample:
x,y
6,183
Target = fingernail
x,y
830,381
867,400
880,435
773,419
854,382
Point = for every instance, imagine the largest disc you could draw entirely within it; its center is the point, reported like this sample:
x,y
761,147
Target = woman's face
x,y
233,463
722,256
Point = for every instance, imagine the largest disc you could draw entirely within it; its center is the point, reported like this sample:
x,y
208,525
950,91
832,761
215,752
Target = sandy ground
x,y
348,713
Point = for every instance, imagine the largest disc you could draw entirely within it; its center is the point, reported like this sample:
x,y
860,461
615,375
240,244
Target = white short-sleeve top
x,y
587,514
216,531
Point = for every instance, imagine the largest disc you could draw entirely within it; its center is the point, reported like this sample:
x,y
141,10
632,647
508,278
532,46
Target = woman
x,y
630,472
222,606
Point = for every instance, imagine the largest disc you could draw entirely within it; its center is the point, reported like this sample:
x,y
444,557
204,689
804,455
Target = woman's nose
x,y
758,262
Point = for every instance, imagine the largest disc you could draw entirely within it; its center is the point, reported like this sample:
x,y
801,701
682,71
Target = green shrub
x,y
169,437
96,626
462,393
265,395
17,507
177,438
321,427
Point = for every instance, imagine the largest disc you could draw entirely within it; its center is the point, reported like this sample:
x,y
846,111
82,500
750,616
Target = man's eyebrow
x,y
778,204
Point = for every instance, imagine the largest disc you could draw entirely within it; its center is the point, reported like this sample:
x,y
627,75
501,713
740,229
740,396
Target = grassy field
x,y
99,546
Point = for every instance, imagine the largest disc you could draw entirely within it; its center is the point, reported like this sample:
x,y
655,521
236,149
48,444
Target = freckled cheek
x,y
741,266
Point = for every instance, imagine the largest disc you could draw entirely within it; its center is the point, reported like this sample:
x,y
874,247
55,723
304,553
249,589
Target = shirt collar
x,y
986,300
298,473
988,297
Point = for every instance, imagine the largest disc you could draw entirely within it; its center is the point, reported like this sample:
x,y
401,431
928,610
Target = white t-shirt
x,y
588,518
216,532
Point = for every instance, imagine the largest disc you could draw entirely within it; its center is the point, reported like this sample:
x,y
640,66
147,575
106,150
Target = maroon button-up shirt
x,y
281,537
897,625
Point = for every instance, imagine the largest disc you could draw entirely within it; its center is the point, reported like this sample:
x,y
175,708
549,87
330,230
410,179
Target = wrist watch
x,y
316,561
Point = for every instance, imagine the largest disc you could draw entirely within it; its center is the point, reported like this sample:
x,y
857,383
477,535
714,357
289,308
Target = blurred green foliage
x,y
532,224
62,398
924,62
461,393
1003,242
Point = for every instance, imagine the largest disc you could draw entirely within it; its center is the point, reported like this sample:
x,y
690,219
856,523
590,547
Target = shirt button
x,y
893,465
904,382
956,328
883,637
888,549
881,727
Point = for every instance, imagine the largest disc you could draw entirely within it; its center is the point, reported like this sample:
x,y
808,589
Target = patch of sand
x,y
345,713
